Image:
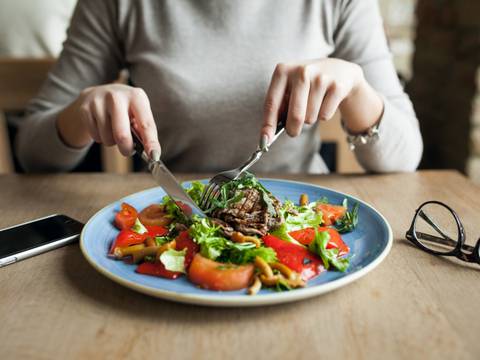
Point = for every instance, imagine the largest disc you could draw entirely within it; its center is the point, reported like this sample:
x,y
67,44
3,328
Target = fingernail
x,y
155,155
264,143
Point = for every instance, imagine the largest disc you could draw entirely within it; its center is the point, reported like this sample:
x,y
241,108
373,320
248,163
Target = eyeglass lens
x,y
436,228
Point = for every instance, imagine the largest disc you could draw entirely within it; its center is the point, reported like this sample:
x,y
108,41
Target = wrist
x,y
362,108
71,129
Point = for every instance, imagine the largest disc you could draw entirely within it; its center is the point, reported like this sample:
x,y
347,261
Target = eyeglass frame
x,y
473,254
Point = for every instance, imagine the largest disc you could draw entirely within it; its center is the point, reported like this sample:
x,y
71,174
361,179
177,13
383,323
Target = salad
x,y
250,239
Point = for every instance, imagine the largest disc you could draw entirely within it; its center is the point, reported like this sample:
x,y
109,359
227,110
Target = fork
x,y
212,190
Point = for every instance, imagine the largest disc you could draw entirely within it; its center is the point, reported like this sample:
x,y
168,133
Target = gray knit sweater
x,y
206,66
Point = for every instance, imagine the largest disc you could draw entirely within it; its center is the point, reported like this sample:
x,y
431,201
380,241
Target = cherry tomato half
x,y
125,218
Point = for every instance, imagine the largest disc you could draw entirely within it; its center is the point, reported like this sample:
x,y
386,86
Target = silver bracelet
x,y
367,137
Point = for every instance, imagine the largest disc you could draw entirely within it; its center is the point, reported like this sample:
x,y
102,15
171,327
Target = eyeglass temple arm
x,y
435,226
443,241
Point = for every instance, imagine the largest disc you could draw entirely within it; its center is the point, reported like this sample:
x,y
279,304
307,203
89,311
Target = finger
x,y
102,120
118,110
331,102
89,120
144,122
297,106
318,89
274,99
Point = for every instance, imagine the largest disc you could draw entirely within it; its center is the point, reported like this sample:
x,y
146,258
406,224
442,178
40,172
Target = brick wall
x,y
443,86
444,91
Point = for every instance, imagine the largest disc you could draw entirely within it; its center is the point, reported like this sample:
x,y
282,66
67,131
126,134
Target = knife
x,y
165,179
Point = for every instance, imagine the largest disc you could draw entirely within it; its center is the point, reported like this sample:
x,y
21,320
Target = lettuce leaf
x,y
174,260
328,256
247,252
209,237
214,246
282,232
139,228
300,217
195,191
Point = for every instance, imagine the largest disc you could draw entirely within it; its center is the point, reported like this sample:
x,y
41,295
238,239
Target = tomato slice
x,y
156,230
330,213
126,238
306,236
125,218
184,241
296,257
154,215
156,269
213,275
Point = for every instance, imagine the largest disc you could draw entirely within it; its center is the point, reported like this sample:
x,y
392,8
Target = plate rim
x,y
242,300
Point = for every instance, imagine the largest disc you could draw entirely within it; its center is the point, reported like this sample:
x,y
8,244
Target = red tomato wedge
x,y
296,257
156,269
213,275
330,213
184,241
126,238
154,215
125,218
306,236
156,230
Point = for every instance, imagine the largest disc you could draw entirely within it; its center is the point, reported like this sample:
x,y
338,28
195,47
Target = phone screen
x,y
37,233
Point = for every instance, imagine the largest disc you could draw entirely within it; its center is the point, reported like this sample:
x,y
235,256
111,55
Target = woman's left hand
x,y
315,90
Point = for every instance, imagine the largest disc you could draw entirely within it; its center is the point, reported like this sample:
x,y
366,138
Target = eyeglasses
x,y
437,229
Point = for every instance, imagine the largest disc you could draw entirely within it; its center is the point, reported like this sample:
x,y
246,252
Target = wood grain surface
x,y
413,306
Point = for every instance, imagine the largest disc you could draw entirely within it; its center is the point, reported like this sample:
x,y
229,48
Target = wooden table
x,y
413,305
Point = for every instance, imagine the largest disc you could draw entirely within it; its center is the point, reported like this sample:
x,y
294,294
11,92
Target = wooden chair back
x,y
20,80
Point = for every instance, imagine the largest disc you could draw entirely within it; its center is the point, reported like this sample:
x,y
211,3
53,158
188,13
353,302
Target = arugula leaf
x,y
328,256
282,285
139,228
349,220
229,193
174,260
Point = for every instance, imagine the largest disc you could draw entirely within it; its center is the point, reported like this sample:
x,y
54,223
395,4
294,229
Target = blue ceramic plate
x,y
369,243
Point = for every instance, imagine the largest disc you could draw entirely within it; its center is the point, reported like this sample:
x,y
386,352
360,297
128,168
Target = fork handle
x,y
282,120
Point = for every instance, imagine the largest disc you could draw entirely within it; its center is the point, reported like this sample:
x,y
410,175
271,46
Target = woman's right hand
x,y
104,114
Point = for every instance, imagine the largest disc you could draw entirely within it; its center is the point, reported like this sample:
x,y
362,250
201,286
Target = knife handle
x,y
138,145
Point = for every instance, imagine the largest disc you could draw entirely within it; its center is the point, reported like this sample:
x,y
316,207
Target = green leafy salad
x,y
249,239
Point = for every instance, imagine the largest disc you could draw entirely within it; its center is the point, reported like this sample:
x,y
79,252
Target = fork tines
x,y
211,191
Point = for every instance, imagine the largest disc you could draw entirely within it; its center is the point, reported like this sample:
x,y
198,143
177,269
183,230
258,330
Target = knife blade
x,y
166,180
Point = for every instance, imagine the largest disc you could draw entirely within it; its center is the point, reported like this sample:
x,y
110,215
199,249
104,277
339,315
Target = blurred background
x,y
435,46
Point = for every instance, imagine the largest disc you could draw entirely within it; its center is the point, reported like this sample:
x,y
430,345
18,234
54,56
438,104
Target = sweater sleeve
x,y
91,56
360,38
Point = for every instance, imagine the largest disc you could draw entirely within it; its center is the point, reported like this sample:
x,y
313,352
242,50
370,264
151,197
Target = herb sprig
x,y
349,220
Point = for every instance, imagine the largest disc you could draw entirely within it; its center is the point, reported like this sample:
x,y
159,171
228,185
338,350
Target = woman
x,y
203,85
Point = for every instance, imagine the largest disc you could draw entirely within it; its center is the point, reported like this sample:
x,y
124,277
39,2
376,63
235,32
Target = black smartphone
x,y
37,236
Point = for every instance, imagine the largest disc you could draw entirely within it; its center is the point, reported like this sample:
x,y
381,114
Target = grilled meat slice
x,y
250,214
